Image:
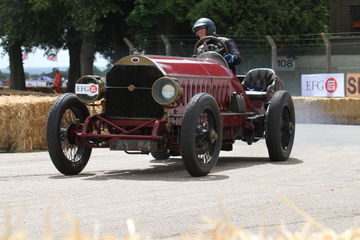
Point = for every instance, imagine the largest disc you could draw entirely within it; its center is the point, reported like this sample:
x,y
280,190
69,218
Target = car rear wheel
x,y
65,114
201,135
280,126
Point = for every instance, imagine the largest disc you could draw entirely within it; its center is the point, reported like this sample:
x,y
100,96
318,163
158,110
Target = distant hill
x,y
39,70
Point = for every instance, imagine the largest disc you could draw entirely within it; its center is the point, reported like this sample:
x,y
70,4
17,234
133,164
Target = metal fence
x,y
290,55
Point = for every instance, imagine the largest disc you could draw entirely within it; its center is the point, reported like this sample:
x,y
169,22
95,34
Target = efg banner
x,y
322,85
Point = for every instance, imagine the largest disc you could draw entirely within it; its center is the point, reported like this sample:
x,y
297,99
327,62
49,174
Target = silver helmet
x,y
205,23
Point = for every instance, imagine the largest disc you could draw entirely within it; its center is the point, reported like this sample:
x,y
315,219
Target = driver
x,y
205,27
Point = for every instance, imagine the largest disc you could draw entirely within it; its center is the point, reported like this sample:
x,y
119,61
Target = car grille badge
x,y
131,87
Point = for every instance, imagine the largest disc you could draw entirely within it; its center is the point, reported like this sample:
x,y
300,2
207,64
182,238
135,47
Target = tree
x,y
81,23
155,17
85,27
24,25
263,17
15,29
58,33
232,17
73,44
86,19
110,38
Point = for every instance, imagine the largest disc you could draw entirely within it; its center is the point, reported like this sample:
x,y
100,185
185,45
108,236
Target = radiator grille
x,y
139,103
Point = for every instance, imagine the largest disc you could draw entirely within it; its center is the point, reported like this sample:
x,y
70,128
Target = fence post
x,y
325,38
273,52
129,44
166,41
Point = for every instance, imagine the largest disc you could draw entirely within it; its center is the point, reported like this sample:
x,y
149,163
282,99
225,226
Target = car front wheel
x,y
65,114
201,135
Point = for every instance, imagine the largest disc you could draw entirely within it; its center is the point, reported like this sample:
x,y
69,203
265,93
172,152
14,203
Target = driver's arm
x,y
233,50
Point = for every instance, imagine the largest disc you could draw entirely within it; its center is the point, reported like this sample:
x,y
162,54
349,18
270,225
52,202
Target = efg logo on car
x,y
90,89
87,89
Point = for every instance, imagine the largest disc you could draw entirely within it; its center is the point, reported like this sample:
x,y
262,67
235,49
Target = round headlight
x,y
90,88
166,91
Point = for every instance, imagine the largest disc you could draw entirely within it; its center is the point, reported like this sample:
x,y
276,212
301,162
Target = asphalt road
x,y
322,178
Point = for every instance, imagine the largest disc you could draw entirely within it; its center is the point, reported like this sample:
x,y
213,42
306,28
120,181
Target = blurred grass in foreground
x,y
220,229
214,229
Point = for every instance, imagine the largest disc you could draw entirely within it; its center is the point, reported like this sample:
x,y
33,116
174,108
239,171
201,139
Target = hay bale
x,y
29,92
327,110
23,121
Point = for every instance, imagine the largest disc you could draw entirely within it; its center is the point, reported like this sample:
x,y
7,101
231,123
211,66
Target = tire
x,y
160,155
68,158
280,126
201,135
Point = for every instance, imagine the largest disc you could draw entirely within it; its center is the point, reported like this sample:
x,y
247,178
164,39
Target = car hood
x,y
179,67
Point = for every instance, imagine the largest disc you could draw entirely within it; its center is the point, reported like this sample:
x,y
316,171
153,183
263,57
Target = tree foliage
x,y
155,17
14,22
100,25
15,32
232,17
86,16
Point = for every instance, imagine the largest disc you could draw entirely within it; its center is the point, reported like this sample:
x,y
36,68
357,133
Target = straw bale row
x,y
46,91
23,118
22,122
327,110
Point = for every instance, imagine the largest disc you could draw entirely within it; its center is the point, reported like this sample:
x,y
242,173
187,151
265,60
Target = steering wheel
x,y
211,43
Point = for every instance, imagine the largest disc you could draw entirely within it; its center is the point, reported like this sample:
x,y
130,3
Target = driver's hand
x,y
230,58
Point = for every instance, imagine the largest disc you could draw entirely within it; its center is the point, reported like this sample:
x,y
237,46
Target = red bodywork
x,y
194,76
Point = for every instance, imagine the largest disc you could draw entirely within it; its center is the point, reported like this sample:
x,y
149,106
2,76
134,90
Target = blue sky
x,y
37,59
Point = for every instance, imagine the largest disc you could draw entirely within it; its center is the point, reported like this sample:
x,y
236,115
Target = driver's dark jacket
x,y
233,50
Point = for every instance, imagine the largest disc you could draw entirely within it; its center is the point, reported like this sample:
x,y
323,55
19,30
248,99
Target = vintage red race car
x,y
171,106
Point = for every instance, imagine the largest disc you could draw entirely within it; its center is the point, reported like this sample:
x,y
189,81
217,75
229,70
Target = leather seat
x,y
258,79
